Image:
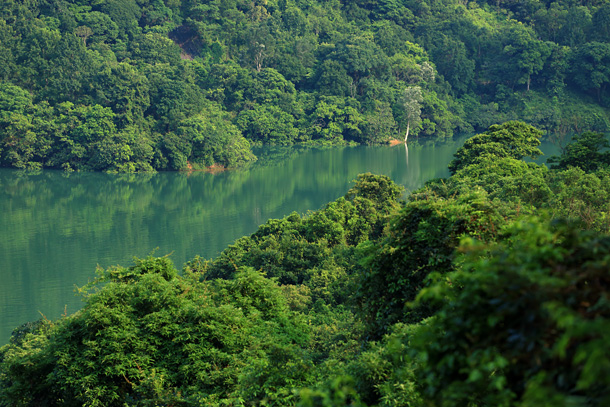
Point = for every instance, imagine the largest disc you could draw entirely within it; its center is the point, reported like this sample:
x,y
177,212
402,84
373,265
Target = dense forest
x,y
488,288
143,85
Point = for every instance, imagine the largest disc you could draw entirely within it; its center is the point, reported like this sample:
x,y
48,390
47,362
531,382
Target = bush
x,y
524,322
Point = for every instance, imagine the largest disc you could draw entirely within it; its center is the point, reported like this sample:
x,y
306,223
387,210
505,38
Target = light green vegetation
x,y
125,86
488,288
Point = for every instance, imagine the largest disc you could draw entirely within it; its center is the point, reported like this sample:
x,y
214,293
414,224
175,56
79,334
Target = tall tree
x,y
601,24
591,67
526,53
412,99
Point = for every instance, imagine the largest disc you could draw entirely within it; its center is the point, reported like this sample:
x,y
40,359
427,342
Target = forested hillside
x,y
139,85
486,289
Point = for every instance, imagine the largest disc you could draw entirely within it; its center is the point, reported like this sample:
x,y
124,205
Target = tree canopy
x,y
487,288
509,140
285,72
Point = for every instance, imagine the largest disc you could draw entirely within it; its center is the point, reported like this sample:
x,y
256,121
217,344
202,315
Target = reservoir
x,y
57,227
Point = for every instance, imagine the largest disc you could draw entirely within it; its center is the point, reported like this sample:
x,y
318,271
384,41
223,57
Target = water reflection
x,y
57,227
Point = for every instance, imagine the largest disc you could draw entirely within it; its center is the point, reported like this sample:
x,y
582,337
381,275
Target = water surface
x,y
56,228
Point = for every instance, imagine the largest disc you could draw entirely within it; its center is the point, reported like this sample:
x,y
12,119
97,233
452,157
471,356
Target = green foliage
x,y
506,181
148,336
213,139
323,72
590,67
520,322
335,120
526,53
26,363
21,145
339,393
314,250
472,300
422,240
385,374
585,151
580,197
512,139
519,188
267,124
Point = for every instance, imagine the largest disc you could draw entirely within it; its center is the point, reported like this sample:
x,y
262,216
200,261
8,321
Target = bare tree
x,y
84,32
259,55
427,72
412,98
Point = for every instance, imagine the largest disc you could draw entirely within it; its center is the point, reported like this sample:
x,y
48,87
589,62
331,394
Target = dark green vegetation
x,y
107,219
142,85
489,288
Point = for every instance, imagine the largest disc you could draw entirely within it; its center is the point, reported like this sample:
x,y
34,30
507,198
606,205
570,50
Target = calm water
x,y
55,228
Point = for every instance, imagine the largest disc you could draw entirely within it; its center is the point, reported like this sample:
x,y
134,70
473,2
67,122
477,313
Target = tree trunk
x,y
407,133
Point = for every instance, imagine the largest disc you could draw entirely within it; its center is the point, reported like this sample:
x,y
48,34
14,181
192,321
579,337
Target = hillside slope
x,y
156,85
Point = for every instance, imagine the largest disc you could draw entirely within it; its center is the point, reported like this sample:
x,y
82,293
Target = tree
x,y
591,67
155,49
380,189
296,59
172,97
8,48
270,87
71,68
125,13
260,45
601,22
528,53
361,57
555,70
451,59
125,90
577,25
421,240
332,79
512,139
523,322
336,120
582,198
83,133
267,124
104,30
549,22
585,151
412,99
380,125
25,128
307,250
151,337
83,32
213,139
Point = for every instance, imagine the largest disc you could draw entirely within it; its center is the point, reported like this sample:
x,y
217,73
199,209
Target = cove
x,y
57,227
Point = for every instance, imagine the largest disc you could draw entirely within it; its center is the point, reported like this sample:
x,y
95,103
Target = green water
x,y
55,228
